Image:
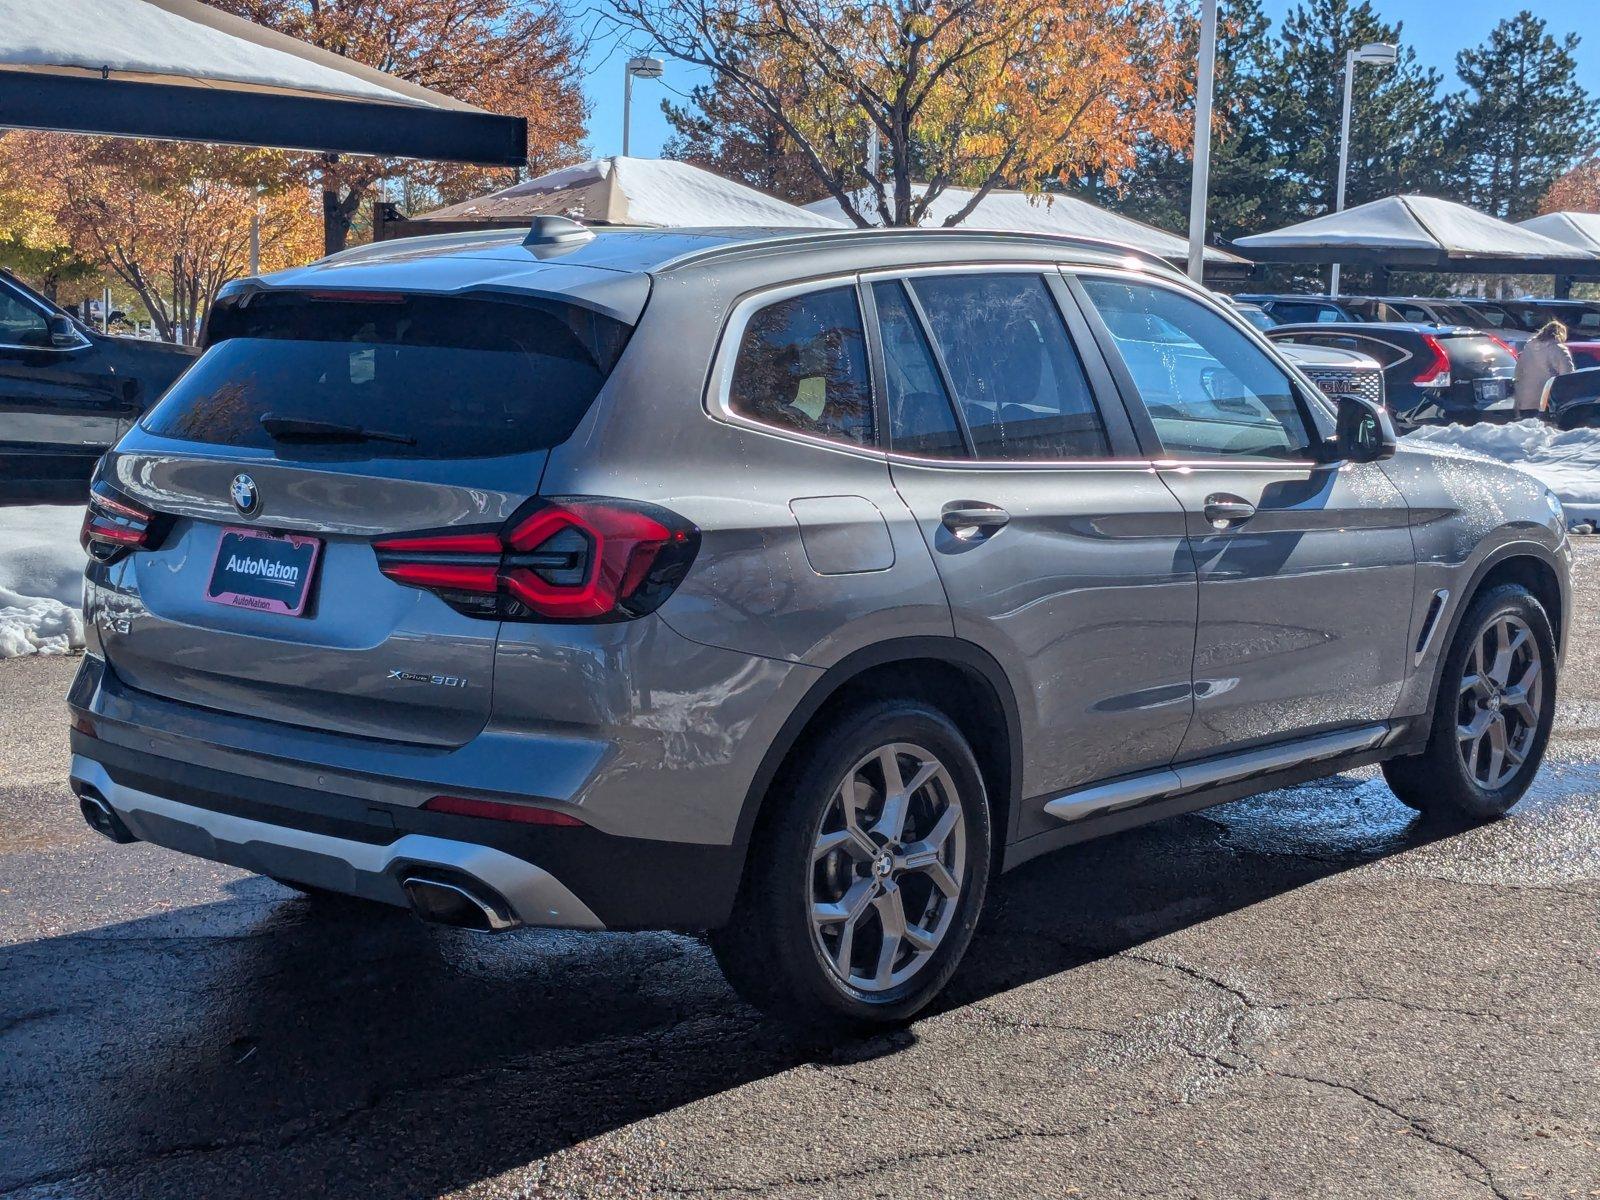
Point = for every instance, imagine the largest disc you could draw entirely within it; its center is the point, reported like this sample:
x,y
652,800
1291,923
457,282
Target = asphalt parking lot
x,y
1305,993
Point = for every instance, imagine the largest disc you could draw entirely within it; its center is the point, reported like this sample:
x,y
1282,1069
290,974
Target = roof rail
x,y
821,236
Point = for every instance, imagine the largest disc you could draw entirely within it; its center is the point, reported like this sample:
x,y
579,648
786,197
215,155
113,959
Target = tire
x,y
1460,780
807,940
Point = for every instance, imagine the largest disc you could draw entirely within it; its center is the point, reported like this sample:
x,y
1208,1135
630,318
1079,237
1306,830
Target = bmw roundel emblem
x,y
245,497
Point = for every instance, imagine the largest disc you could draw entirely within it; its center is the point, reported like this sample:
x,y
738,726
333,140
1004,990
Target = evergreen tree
x,y
1397,132
1523,118
723,132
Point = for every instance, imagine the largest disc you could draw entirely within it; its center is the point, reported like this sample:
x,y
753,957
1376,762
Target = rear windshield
x,y
1478,350
435,377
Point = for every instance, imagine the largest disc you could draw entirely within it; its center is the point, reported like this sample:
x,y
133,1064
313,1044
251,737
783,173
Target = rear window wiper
x,y
304,429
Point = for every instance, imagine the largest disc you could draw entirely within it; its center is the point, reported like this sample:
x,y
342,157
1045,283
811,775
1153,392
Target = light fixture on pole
x,y
645,67
1378,54
1205,82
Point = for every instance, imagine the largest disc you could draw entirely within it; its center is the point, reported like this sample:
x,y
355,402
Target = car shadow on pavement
x,y
235,1047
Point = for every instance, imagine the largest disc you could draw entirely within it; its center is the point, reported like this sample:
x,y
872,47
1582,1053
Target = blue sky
x,y
1435,41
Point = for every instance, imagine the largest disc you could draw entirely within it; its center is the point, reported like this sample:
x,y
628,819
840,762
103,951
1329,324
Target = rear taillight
x,y
113,525
1437,372
572,558
1503,344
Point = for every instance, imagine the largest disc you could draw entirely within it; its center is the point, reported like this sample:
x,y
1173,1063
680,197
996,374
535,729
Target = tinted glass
x,y
20,323
1257,317
1459,314
1018,378
1210,391
921,420
447,378
1292,312
1478,352
803,365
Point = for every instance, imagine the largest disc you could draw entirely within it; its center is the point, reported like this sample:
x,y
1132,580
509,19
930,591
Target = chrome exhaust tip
x,y
458,903
102,818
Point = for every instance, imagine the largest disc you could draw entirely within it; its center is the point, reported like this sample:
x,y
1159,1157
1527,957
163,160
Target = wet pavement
x,y
1303,993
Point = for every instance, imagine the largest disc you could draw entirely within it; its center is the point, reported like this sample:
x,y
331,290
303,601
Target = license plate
x,y
269,572
1490,390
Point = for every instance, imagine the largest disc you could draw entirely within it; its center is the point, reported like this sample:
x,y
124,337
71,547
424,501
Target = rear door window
x,y
1016,374
802,365
921,420
426,376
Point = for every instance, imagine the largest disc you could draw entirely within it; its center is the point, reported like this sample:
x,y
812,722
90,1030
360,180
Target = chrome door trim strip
x,y
1229,768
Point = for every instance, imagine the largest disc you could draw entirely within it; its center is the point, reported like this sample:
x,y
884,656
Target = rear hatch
x,y
328,422
1481,367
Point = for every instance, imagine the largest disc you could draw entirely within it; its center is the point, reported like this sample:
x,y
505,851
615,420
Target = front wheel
x,y
1492,716
867,872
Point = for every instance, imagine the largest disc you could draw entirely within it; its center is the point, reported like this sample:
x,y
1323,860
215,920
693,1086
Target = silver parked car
x,y
786,585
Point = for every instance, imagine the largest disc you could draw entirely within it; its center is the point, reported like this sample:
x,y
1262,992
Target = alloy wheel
x,y
1500,702
887,867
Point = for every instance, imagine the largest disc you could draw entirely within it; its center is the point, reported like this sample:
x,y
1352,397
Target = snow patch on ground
x,y
41,579
1566,463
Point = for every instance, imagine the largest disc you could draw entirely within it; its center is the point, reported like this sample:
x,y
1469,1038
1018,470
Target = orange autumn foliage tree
x,y
978,93
1576,191
171,220
513,57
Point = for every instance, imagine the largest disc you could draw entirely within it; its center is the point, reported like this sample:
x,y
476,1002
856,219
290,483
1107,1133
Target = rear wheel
x,y
867,874
1492,716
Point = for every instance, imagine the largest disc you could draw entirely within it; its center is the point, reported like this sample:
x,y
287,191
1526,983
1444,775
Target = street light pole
x,y
1205,83
645,67
1377,53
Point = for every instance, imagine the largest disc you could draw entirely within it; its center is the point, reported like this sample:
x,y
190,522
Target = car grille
x,y
1366,382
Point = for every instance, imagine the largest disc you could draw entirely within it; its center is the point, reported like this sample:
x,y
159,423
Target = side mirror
x,y
1366,434
64,334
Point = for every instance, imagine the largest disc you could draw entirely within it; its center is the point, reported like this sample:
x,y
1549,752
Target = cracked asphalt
x,y
1304,993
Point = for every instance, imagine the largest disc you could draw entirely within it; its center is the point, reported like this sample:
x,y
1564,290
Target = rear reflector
x,y
497,810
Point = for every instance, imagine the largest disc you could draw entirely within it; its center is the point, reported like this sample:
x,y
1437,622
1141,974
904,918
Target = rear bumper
x,y
532,895
359,832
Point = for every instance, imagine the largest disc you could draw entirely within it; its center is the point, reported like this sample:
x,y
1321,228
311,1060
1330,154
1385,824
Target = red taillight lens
x,y
499,810
113,525
1437,372
1503,344
565,559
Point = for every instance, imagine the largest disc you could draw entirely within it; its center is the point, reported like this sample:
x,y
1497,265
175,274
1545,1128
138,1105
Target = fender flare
x,y
954,651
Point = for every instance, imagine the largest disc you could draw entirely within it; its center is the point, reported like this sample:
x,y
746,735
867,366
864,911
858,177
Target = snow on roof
x,y
633,191
1580,229
1423,224
186,42
1054,212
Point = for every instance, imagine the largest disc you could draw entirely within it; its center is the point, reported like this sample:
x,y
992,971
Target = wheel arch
x,y
955,676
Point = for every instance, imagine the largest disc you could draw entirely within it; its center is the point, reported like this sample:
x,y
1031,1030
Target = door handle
x,y
973,519
1223,510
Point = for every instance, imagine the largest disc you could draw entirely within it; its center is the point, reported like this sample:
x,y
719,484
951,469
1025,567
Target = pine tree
x,y
1523,118
1397,134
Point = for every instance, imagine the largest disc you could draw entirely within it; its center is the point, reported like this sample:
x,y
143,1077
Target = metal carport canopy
x,y
180,70
1419,233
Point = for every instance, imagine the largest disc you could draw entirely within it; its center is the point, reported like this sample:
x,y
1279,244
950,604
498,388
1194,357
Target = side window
x,y
1385,352
802,365
921,420
21,324
1215,395
1016,375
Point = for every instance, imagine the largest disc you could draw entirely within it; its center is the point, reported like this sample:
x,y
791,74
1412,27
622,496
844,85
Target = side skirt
x,y
1153,796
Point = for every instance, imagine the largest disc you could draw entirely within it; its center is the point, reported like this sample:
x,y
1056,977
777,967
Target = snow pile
x,y
41,579
1566,463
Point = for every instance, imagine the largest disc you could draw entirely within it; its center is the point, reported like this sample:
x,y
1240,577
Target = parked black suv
x,y
1432,373
67,391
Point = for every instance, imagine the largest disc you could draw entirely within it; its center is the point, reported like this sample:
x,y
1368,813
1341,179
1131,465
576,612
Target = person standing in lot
x,y
1542,359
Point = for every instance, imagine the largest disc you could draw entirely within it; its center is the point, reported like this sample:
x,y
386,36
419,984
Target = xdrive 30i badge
x,y
436,680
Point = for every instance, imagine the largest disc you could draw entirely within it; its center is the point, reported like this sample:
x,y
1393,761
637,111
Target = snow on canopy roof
x,y
186,42
632,191
1053,212
1580,229
1409,229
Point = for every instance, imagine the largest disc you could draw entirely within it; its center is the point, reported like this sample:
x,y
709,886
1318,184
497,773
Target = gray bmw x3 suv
x,y
783,585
